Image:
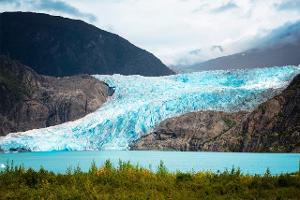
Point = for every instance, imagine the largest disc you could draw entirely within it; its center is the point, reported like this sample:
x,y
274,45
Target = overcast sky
x,y
176,31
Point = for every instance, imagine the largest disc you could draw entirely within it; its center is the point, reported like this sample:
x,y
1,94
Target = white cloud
x,y
171,29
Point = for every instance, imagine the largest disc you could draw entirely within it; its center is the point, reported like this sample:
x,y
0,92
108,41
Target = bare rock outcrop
x,y
194,131
274,126
29,100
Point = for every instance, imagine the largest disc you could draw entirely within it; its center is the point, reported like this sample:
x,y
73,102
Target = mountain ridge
x,y
266,57
278,48
57,46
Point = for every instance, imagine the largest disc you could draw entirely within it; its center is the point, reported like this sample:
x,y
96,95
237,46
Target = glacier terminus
x,y
140,103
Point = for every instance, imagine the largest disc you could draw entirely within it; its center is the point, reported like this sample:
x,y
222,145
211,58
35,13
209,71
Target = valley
x,y
140,103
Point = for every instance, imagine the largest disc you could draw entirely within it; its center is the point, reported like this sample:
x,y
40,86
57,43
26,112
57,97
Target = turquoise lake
x,y
251,163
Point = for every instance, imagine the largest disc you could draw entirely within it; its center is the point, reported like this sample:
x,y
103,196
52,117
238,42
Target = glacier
x,y
140,103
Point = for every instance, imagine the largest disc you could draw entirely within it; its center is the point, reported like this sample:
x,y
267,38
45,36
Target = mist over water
x,y
140,103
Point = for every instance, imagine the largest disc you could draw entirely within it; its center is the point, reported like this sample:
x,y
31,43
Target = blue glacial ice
x,y
140,103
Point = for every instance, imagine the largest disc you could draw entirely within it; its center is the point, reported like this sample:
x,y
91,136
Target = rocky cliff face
x,y
58,46
30,101
274,126
189,132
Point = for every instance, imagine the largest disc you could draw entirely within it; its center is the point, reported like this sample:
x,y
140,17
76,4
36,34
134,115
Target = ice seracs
x,y
140,103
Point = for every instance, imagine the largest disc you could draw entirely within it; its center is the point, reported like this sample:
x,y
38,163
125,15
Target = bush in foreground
x,y
134,182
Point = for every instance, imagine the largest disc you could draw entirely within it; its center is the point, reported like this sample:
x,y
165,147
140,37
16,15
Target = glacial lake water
x,y
250,163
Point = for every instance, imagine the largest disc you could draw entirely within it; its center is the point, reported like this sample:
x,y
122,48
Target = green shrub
x,y
127,181
162,169
180,176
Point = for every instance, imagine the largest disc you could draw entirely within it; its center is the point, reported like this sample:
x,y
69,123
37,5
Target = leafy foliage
x,y
127,181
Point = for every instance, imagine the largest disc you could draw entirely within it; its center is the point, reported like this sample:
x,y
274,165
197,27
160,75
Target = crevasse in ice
x,y
140,103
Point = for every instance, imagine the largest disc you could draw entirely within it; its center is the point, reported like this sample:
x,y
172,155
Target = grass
x,y
127,181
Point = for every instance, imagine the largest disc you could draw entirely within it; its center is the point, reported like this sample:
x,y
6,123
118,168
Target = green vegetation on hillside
x,y
134,182
12,83
229,122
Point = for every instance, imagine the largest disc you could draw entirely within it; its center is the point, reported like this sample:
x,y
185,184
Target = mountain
x,y
274,126
287,54
58,46
140,103
281,47
29,100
